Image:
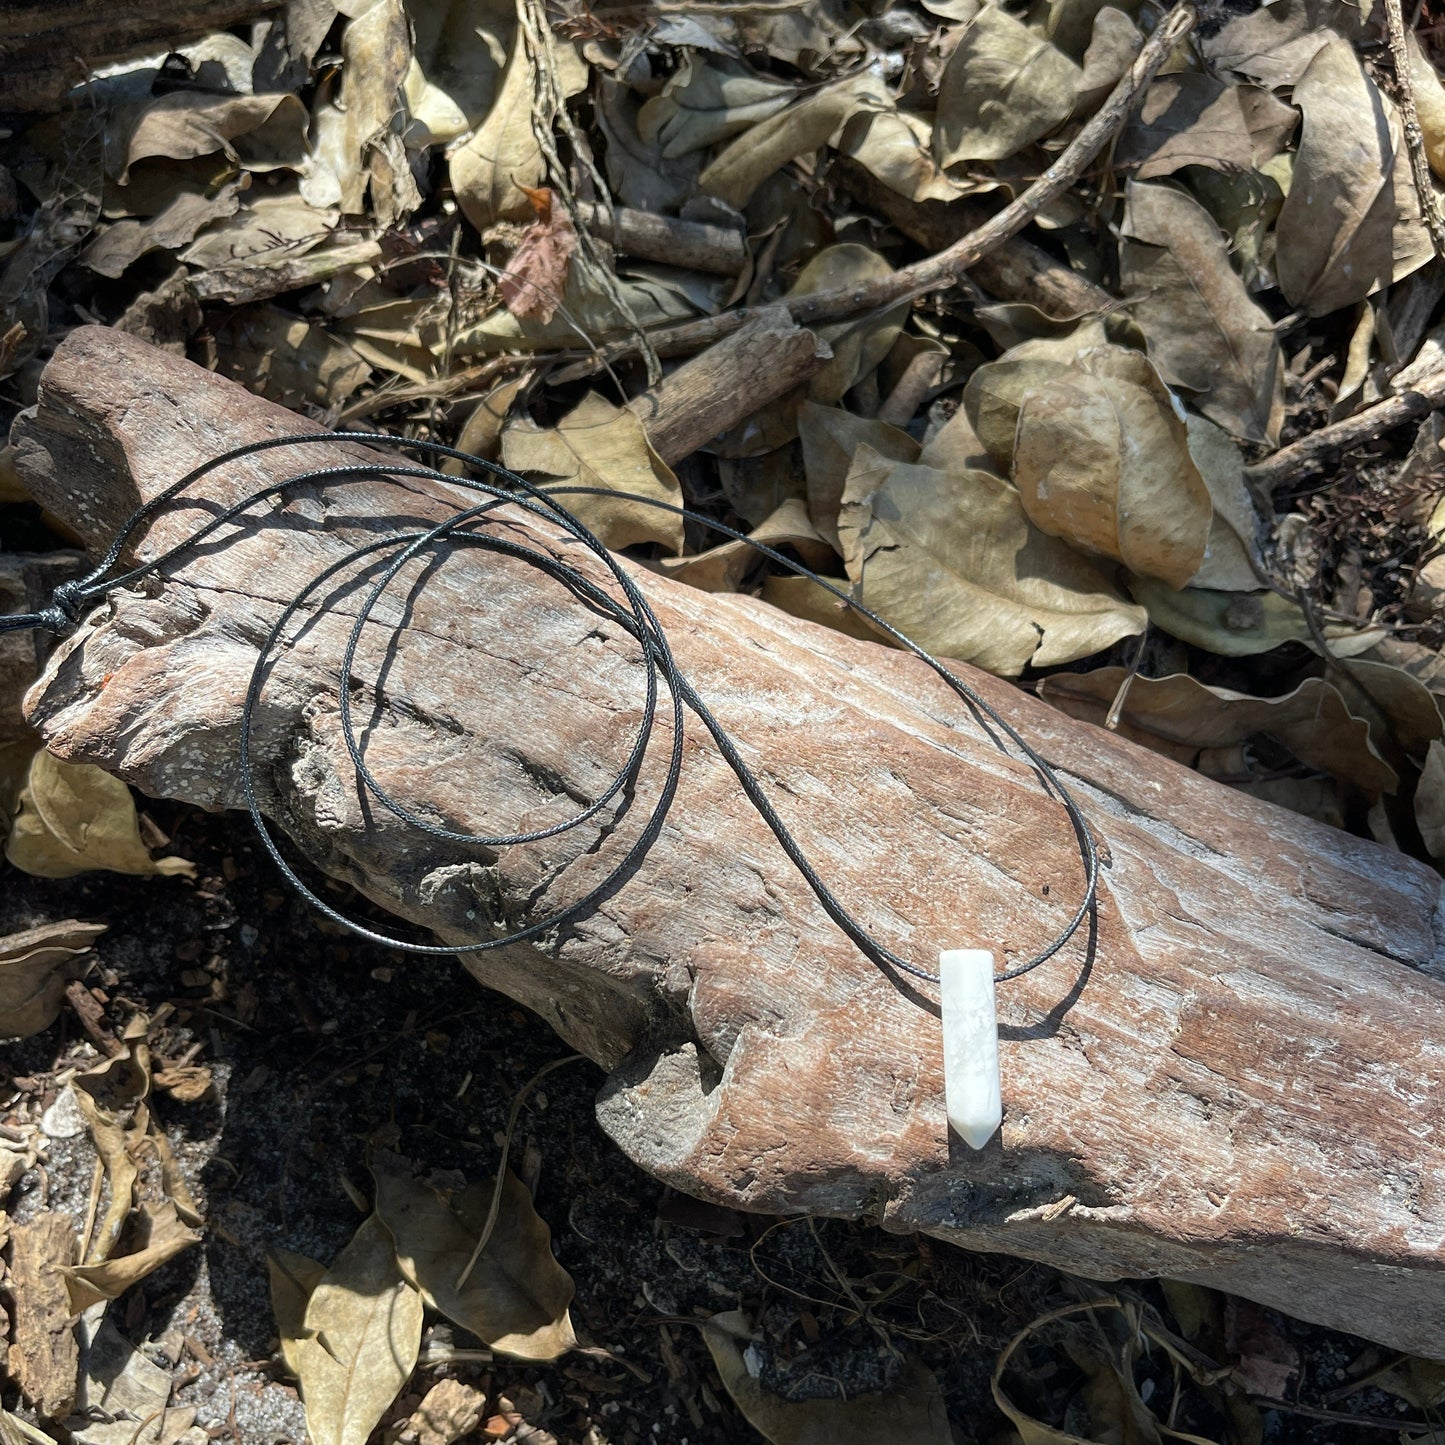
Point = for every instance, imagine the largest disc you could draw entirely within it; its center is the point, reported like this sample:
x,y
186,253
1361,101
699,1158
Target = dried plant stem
x,y
1304,456
944,269
1414,140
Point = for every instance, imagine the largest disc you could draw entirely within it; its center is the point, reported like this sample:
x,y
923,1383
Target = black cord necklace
x,y
965,978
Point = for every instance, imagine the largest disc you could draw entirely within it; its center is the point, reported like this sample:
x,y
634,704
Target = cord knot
x,y
54,619
67,599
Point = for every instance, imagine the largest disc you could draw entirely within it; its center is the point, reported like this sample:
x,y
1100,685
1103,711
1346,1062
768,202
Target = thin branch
x,y
944,269
1414,140
1300,458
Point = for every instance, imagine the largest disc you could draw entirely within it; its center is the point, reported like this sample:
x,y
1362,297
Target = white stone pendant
x,y
970,1044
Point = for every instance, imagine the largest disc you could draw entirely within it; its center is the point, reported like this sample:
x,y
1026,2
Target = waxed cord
x,y
630,611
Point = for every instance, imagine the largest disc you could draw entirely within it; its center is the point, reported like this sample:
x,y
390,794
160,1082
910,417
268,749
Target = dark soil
x,y
317,1041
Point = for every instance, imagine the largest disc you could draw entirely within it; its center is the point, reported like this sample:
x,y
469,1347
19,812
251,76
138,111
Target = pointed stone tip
x,y
975,1134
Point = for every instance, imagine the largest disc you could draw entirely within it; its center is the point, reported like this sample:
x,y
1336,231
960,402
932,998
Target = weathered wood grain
x,y
1245,1086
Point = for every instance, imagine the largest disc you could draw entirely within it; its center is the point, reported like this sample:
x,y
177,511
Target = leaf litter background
x,y
398,213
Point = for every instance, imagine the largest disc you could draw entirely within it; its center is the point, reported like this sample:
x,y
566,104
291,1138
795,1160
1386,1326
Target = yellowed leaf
x,y
490,172
74,818
35,966
951,559
517,1295
1333,239
723,568
1313,721
602,446
1003,88
1101,459
361,1336
294,1278
159,1235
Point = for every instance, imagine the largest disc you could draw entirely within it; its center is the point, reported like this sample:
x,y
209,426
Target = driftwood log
x,y
1244,1086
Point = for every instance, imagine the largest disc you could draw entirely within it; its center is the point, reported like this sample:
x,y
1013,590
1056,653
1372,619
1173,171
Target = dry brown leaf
x,y
459,48
858,345
736,173
288,360
1241,624
1112,49
1101,459
1273,44
516,1297
830,438
802,597
1333,239
112,1096
1203,330
1181,717
255,132
951,559
35,966
896,146
638,173
375,55
708,99
1232,556
490,174
481,432
912,1409
362,1334
1430,802
176,226
74,818
293,1278
536,274
44,1359
267,231
723,568
1004,87
1191,119
600,445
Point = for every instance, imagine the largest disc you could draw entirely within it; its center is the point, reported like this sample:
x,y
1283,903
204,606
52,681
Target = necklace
x,y
965,978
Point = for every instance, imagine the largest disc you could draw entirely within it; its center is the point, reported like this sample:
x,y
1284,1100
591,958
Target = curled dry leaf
x,y
830,439
517,1295
1182,717
256,132
1241,624
376,55
911,1409
708,100
35,966
361,1336
723,568
951,558
74,818
157,1234
896,146
490,171
602,446
1333,239
767,147
1203,330
1101,459
128,240
293,1278
1004,87
1191,119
